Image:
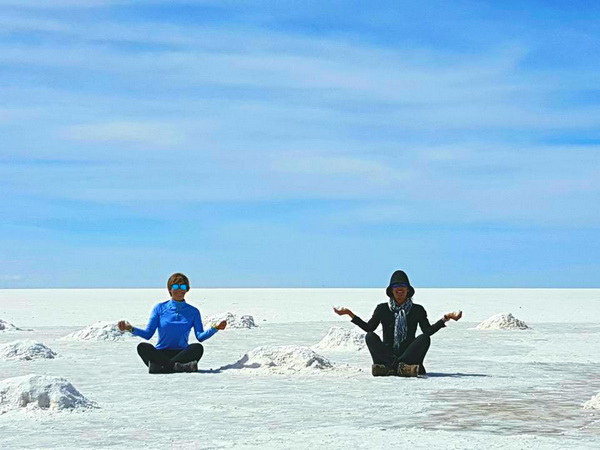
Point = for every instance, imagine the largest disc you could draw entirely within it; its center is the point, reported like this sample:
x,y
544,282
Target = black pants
x,y
162,361
414,353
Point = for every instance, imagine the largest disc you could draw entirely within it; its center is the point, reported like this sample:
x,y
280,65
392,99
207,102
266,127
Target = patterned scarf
x,y
400,312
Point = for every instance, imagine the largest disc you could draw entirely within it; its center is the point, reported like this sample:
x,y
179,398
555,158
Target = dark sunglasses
x,y
397,285
183,287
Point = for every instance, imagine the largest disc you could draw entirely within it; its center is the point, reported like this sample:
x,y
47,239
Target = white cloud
x,y
11,278
147,133
300,163
14,114
89,4
344,85
59,4
263,115
11,23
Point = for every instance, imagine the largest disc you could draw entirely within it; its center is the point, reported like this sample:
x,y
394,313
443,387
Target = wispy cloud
x,y
329,165
155,134
347,84
61,4
10,278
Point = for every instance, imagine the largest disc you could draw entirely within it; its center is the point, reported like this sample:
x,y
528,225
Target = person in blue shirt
x,y
174,320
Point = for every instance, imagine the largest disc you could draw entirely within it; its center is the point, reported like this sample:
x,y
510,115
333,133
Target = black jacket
x,y
384,316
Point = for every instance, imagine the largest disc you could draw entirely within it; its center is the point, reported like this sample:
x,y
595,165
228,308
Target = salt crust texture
x,y
39,392
339,338
593,403
5,326
25,350
233,321
283,359
502,321
99,331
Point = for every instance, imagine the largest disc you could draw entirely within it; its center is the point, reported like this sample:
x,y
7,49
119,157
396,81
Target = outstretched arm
x,y
429,329
426,327
150,328
371,325
202,334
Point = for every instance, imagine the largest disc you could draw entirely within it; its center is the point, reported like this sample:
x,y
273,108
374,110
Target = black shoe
x,y
191,366
155,368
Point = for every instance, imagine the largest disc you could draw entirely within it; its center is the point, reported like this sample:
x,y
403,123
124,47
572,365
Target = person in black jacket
x,y
400,353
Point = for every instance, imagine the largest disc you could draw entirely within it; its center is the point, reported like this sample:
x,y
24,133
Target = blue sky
x,y
299,144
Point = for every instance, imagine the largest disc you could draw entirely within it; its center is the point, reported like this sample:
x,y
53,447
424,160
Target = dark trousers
x,y
414,353
162,361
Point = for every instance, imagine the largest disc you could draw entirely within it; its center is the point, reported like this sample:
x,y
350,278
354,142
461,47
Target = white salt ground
x,y
233,321
502,321
99,331
40,392
25,350
484,390
343,339
593,403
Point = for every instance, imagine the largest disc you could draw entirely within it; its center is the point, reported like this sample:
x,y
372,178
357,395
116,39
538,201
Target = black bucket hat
x,y
399,277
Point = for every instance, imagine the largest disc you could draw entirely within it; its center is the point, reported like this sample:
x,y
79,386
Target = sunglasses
x,y
183,287
397,285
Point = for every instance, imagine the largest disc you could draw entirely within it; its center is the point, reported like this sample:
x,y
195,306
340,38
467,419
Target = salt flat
x,y
485,389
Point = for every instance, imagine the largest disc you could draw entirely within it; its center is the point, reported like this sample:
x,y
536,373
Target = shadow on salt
x,y
238,365
455,375
284,360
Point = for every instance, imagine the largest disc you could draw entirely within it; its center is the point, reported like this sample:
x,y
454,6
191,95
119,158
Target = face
x,y
178,294
400,294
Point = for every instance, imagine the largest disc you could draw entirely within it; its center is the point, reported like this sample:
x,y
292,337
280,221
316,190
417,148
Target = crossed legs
x,y
414,353
163,361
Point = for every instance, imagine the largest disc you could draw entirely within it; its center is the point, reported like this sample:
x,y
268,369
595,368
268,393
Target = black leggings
x,y
414,353
162,361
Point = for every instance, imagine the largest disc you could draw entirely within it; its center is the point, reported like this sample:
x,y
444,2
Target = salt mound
x,y
593,403
41,393
339,338
284,359
233,321
5,326
25,350
502,321
99,331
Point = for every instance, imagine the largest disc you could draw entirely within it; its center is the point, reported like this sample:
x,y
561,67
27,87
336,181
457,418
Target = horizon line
x,y
300,287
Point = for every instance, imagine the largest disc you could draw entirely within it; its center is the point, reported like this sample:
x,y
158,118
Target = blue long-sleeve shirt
x,y
174,321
